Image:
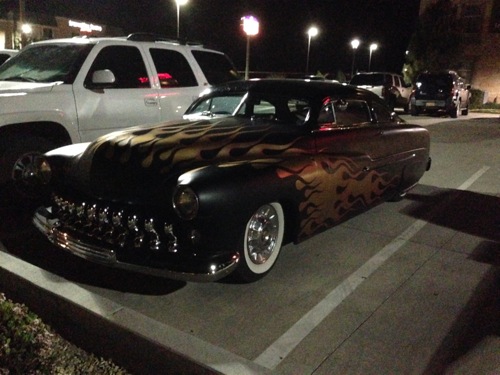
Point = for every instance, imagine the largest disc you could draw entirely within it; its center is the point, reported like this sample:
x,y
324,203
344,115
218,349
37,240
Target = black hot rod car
x,y
255,165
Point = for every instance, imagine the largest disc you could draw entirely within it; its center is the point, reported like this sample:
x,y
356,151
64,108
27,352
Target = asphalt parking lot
x,y
407,288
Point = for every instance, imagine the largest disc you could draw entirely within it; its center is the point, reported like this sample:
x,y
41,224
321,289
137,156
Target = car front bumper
x,y
199,270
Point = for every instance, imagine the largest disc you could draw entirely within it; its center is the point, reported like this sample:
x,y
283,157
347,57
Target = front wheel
x,y
261,243
21,165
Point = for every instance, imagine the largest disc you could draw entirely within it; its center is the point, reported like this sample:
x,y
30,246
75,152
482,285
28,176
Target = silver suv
x,y
389,86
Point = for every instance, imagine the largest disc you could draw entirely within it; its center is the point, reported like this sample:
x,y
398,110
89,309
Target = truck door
x,y
179,86
128,100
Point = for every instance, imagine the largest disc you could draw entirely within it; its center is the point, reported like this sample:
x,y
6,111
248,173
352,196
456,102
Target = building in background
x,y
18,28
480,29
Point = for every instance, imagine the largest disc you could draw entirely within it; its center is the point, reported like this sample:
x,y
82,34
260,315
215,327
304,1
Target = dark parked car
x,y
259,164
445,91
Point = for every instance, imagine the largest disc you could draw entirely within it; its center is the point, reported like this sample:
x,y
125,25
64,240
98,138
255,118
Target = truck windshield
x,y
46,63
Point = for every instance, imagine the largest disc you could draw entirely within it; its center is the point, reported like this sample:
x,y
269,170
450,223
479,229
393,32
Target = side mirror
x,y
103,78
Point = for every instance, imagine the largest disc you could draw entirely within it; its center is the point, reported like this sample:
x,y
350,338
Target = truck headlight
x,y
185,202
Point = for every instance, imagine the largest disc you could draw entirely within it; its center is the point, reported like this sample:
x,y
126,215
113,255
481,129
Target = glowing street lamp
x,y
373,47
251,28
354,44
179,3
26,29
312,32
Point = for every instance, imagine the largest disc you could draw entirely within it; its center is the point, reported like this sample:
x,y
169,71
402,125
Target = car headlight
x,y
185,202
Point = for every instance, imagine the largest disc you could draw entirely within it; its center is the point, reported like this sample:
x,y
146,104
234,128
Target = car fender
x,y
230,193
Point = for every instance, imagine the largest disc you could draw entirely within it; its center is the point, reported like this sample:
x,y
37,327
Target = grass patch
x,y
28,346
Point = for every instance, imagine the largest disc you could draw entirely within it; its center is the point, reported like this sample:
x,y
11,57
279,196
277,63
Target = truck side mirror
x,y
103,78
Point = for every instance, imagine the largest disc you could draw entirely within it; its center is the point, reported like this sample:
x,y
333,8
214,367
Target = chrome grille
x,y
115,227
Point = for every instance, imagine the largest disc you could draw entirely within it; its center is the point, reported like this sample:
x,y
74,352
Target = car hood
x,y
16,87
127,161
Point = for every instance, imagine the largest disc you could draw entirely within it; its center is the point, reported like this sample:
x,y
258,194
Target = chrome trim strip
x,y
48,225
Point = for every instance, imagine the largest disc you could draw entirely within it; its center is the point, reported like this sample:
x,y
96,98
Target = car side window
x,y
381,112
351,112
397,81
127,65
173,69
300,110
326,117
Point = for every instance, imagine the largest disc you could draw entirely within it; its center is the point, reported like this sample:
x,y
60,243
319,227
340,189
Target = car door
x,y
130,99
178,85
348,178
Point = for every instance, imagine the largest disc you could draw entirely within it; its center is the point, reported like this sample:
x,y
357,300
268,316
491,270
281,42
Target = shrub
x,y
28,346
476,99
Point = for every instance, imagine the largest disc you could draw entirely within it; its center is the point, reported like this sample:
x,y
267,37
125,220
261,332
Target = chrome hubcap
x,y
263,230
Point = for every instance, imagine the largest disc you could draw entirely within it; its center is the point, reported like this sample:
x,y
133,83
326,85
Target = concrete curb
x,y
133,341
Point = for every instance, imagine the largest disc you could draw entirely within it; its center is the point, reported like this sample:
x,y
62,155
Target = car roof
x,y
368,73
134,38
297,87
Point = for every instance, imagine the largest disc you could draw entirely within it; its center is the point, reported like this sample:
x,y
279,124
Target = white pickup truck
x,y
72,90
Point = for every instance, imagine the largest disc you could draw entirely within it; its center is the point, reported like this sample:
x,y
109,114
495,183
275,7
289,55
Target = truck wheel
x,y
22,187
261,245
406,108
455,111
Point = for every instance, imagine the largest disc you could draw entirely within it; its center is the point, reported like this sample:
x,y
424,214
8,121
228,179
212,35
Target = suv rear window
x,y
173,69
371,79
438,80
216,67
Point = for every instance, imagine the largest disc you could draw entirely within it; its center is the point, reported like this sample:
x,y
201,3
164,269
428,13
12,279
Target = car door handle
x,y
151,102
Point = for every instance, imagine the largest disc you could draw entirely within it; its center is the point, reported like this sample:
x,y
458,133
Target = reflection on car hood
x,y
149,155
17,87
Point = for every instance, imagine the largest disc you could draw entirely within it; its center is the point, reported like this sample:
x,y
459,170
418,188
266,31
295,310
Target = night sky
x,y
282,42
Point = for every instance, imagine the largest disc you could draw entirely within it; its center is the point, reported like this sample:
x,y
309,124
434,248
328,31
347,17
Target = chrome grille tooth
x,y
154,238
115,226
136,233
170,237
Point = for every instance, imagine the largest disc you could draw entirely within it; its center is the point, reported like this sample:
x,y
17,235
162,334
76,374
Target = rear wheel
x,y
455,111
261,245
465,111
414,110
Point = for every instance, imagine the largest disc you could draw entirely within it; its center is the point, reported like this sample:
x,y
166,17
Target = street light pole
x,y
373,47
251,28
354,44
312,32
179,3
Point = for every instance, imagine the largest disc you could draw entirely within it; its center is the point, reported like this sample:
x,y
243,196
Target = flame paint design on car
x,y
334,190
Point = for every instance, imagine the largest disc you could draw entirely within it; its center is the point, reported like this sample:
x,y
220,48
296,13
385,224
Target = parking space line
x,y
280,349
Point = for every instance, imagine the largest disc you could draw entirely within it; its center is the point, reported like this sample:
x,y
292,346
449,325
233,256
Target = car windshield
x,y
216,106
368,79
252,105
46,63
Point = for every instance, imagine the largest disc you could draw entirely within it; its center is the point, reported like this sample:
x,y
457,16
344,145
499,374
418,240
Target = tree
x,y
435,45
